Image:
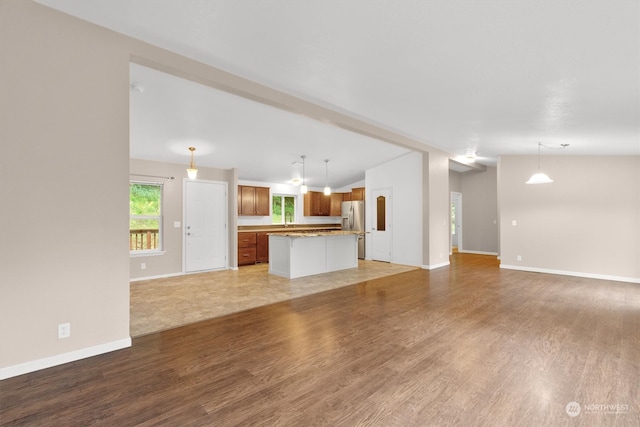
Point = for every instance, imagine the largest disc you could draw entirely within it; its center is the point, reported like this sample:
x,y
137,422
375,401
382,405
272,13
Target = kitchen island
x,y
299,254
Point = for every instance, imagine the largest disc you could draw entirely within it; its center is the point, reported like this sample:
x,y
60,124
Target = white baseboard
x,y
60,359
571,273
464,251
164,276
161,276
434,266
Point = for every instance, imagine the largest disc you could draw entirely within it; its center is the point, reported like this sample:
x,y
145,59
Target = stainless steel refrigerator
x,y
353,220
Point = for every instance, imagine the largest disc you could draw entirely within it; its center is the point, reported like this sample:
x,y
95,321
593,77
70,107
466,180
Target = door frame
x,y
184,218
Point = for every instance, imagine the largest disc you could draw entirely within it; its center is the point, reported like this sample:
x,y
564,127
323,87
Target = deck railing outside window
x,y
143,239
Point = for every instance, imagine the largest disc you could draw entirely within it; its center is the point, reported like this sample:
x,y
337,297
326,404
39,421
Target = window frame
x,y
295,208
160,218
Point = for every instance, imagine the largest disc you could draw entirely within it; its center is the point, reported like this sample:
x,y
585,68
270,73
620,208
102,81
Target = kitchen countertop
x,y
317,233
280,230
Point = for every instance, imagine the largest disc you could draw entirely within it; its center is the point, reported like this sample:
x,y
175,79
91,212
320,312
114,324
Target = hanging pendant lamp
x,y
327,189
539,177
192,172
303,187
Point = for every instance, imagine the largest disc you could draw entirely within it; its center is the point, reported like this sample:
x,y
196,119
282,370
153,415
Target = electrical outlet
x,y
143,266
519,258
64,330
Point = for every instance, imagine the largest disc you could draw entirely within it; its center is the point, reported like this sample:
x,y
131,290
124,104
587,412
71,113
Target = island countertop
x,y
315,233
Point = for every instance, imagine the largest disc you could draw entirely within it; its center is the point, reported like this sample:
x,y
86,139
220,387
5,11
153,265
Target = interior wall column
x,y
436,209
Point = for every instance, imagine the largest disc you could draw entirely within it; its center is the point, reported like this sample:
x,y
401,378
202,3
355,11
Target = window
x,y
145,216
283,209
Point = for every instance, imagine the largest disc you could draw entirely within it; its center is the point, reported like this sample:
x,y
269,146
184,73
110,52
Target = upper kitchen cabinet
x,y
317,204
357,193
253,200
335,206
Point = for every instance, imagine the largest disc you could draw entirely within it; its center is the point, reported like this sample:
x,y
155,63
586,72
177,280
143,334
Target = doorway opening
x,y
456,223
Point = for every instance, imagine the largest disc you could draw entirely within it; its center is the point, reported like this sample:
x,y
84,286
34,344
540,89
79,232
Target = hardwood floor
x,y
465,345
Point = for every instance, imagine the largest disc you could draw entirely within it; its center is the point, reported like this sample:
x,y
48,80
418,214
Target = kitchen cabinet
x,y
247,248
262,247
253,200
335,207
316,204
346,197
357,193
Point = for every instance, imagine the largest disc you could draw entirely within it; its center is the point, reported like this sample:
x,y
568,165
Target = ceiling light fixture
x,y
327,189
539,177
136,87
192,172
303,187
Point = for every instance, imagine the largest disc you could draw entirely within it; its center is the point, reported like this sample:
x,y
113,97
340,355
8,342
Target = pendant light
x,y
327,189
539,177
192,172
303,187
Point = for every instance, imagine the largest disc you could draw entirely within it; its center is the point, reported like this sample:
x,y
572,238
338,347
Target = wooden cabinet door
x,y
247,200
312,203
254,200
346,197
262,201
325,204
357,193
335,208
262,248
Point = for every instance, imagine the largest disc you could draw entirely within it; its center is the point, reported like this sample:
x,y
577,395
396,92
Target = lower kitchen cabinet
x,y
262,247
247,249
252,248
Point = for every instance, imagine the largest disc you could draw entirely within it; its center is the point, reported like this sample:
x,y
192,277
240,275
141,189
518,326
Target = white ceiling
x,y
228,131
489,76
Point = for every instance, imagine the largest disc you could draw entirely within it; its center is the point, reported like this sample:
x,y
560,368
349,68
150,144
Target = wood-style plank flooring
x,y
468,345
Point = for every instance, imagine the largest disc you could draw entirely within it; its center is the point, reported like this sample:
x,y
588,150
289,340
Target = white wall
x,y
64,130
404,177
586,223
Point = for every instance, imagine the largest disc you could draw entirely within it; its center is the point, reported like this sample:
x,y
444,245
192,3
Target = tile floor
x,y
161,304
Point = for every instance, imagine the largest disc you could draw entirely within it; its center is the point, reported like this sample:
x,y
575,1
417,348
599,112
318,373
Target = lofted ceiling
x,y
487,77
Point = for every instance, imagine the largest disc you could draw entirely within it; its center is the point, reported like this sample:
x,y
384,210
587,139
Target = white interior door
x,y
381,225
205,225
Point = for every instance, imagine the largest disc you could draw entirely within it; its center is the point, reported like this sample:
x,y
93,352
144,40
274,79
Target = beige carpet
x,y
161,304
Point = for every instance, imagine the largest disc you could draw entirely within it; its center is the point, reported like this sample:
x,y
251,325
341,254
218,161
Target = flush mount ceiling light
x,y
327,189
137,87
303,187
192,172
539,177
471,156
